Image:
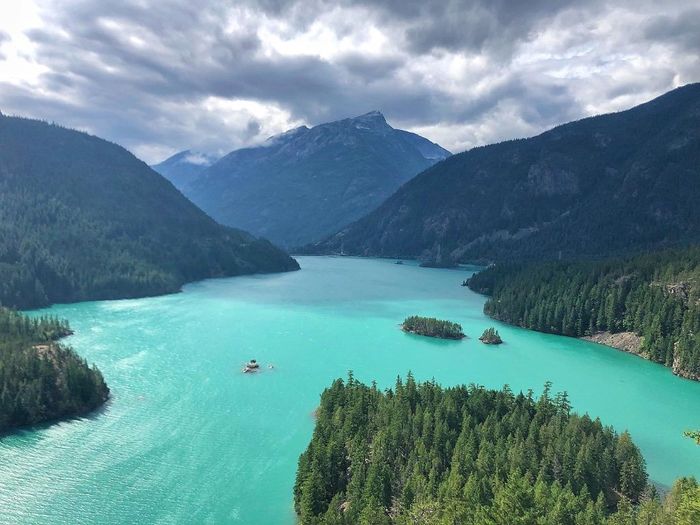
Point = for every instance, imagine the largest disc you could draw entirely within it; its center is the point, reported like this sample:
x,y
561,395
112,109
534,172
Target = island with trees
x,y
42,380
420,453
648,305
491,337
431,327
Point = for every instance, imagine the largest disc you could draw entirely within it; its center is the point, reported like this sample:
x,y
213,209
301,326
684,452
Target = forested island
x,y
491,337
431,327
40,379
648,305
419,453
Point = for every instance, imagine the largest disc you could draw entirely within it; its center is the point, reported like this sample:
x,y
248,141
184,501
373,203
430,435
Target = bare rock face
x,y
625,341
681,372
632,343
681,290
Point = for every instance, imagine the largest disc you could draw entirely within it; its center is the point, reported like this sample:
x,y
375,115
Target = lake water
x,y
188,438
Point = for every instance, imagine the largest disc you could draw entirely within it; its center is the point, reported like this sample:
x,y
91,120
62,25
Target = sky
x,y
161,76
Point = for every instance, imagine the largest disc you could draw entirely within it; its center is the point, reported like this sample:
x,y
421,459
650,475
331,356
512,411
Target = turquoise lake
x,y
188,438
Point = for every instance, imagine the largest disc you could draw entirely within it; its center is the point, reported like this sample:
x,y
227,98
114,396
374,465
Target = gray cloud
x,y
682,29
172,75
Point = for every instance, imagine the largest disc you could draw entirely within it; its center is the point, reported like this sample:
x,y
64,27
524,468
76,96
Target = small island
x,y
491,337
431,327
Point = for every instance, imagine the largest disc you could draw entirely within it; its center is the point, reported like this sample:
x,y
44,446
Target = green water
x,y
188,438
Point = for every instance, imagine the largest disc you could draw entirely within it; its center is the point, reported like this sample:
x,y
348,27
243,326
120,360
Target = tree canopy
x,y
40,379
419,453
432,327
655,296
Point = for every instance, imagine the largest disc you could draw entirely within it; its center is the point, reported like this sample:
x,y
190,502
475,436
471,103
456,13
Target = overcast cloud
x,y
162,76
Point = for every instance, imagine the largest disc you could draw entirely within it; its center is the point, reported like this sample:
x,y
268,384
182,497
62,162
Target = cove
x,y
188,438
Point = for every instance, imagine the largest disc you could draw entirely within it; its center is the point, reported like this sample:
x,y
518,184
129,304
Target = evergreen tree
x,y
41,379
419,453
655,296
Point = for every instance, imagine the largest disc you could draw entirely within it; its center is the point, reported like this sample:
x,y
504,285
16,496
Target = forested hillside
x,y
603,186
82,218
424,454
41,380
654,300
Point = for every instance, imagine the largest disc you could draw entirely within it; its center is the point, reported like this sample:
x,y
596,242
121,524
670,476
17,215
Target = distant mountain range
x,y
183,168
307,183
606,185
82,218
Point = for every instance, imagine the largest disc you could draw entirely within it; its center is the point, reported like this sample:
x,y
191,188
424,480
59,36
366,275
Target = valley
x,y
349,263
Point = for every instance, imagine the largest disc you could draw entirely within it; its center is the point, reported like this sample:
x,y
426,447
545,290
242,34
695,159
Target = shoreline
x,y
609,338
413,332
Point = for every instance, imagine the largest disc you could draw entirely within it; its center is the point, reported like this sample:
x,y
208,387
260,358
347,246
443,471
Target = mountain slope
x,y
601,186
183,168
82,218
308,182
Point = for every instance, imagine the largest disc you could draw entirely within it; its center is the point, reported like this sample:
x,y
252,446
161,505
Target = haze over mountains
x,y
82,218
307,183
605,185
183,167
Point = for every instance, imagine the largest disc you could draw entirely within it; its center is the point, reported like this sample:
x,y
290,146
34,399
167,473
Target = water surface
x,y
188,438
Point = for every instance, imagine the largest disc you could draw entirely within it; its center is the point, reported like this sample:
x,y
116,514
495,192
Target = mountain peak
x,y
302,185
183,167
375,116
188,156
601,186
285,136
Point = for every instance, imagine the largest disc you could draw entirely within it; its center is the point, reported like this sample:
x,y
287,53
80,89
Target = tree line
x,y
656,296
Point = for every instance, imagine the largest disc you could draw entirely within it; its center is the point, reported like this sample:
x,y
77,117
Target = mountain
x,y
82,219
183,168
605,185
304,184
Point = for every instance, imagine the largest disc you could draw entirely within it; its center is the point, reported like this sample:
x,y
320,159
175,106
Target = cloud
x,y
681,29
198,159
159,77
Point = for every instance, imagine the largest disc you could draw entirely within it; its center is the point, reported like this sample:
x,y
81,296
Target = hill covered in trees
x,y
41,380
424,454
306,183
603,186
431,327
82,218
653,299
